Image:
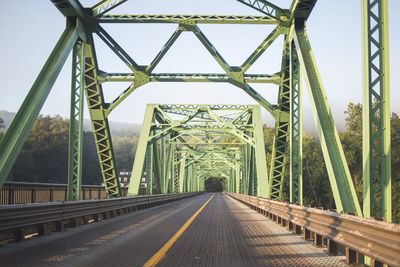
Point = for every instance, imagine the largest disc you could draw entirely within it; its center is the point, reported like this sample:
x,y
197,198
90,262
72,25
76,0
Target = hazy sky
x,y
29,30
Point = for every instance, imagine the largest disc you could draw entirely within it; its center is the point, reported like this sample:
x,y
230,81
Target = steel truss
x,y
170,166
377,196
187,144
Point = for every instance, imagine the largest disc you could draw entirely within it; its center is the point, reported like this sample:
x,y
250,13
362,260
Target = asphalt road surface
x,y
206,230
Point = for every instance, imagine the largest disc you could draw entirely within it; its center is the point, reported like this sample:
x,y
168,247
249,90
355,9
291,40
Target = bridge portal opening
x,y
214,184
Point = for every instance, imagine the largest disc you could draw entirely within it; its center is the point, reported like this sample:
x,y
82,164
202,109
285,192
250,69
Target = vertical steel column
x,y
237,171
296,135
149,169
182,169
21,125
260,156
338,171
140,154
75,143
377,189
168,165
281,138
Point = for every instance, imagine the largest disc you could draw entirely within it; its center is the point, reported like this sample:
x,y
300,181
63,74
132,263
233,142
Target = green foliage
x,y
316,187
44,156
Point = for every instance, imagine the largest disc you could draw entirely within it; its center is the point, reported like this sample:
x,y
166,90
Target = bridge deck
x,y
225,233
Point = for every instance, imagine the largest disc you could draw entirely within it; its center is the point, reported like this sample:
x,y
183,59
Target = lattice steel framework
x,y
191,143
376,112
163,168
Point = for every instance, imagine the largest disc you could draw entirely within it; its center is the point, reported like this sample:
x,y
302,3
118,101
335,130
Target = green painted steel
x,y
21,125
195,142
140,155
101,129
296,135
181,146
200,19
76,123
282,129
260,159
338,172
377,195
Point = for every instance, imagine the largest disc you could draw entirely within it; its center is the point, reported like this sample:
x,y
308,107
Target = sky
x,y
30,29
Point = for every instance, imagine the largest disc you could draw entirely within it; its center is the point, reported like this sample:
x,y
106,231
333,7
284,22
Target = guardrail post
x,y
51,193
19,235
290,226
33,196
332,248
42,229
375,263
351,256
318,240
306,234
297,229
59,226
11,195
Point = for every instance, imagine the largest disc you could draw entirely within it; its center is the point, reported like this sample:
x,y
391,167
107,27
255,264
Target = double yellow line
x,y
153,261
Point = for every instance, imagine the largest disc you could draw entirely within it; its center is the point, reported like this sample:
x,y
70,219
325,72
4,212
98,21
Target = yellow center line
x,y
153,261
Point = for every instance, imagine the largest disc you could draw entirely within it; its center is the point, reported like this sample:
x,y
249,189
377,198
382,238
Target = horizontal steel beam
x,y
199,19
189,77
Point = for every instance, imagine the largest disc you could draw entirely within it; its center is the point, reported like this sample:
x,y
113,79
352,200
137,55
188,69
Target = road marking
x,y
153,261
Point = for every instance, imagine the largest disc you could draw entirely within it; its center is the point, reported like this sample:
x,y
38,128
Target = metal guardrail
x,y
358,236
22,193
19,221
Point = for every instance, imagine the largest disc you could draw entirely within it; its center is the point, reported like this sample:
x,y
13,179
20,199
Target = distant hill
x,y
117,128
127,129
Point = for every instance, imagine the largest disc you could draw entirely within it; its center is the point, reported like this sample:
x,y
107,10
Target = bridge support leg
x,y
377,191
281,137
181,173
237,172
75,143
260,159
338,172
296,135
101,129
149,170
19,129
140,155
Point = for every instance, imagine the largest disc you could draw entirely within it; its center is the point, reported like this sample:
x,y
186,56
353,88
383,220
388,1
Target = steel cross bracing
x,y
83,23
187,144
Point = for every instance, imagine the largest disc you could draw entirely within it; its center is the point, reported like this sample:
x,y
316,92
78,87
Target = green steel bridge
x,y
182,145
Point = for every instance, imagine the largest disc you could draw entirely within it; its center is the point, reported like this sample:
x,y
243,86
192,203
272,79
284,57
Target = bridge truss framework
x,y
87,80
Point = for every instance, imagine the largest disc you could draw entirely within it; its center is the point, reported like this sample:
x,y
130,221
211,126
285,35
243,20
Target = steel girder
x,y
282,128
200,19
101,129
377,191
75,143
296,135
338,172
184,152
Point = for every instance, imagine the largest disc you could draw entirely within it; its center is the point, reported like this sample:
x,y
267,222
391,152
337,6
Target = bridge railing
x,y
23,193
357,236
17,222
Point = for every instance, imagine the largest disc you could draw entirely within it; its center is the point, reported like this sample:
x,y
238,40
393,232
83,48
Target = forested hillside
x,y
44,156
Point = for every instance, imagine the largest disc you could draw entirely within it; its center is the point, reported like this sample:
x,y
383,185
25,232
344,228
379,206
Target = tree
x,y
351,140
